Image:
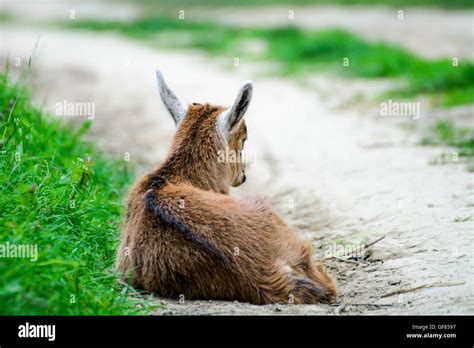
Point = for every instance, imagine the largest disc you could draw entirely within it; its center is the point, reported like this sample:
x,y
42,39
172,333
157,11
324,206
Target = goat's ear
x,y
231,117
172,103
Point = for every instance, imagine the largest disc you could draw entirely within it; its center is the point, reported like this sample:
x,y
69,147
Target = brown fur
x,y
185,235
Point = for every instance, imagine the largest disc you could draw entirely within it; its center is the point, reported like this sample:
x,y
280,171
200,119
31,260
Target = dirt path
x,y
428,32
336,175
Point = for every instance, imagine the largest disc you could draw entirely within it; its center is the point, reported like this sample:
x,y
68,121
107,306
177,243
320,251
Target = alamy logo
x,y
30,251
37,331
395,108
236,156
67,108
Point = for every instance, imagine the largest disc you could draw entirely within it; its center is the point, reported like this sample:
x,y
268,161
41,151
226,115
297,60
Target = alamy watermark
x,y
37,331
355,251
29,251
237,156
77,109
399,108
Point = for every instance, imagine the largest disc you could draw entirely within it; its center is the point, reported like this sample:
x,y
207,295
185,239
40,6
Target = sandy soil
x,y
338,174
45,11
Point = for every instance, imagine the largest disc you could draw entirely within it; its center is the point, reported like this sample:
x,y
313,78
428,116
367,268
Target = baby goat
x,y
184,235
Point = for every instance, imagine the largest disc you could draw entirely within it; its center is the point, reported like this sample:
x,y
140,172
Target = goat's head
x,y
209,139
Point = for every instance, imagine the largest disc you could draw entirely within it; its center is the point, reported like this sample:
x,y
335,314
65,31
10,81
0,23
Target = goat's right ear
x,y
172,103
231,117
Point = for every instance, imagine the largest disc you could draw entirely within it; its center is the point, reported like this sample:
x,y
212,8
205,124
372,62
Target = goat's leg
x,y
287,286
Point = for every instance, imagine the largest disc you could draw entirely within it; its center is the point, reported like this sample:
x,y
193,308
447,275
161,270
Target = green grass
x,y
462,219
298,52
458,96
59,194
448,4
444,132
4,17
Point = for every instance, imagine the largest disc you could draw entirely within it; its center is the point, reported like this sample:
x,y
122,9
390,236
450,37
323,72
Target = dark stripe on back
x,y
155,208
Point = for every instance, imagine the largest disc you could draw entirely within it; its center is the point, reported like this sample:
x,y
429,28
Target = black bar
x,y
289,330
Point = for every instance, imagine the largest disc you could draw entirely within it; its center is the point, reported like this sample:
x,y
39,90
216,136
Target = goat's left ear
x,y
231,117
171,101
